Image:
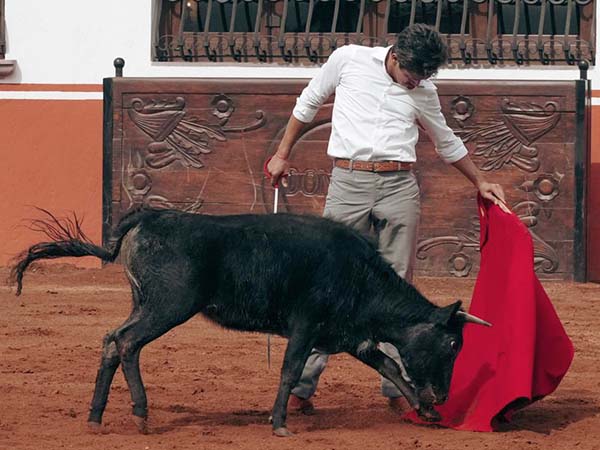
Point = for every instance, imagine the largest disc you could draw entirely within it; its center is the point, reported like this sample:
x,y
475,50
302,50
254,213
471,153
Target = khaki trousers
x,y
386,204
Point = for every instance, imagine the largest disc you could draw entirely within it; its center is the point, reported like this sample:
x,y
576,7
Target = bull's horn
x,y
473,319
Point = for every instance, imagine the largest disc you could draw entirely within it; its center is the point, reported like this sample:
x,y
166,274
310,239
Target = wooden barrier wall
x,y
200,145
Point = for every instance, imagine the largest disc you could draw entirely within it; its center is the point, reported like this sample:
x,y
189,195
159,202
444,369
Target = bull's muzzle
x,y
429,396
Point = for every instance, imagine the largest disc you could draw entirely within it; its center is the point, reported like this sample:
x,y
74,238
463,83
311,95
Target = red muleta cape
x,y
526,352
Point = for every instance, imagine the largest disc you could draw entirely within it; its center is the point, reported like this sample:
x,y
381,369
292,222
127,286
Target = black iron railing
x,y
478,32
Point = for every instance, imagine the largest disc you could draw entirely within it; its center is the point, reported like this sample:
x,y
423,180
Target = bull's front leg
x,y
298,349
369,354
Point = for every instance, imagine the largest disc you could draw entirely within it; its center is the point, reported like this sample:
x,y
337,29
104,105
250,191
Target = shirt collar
x,y
380,53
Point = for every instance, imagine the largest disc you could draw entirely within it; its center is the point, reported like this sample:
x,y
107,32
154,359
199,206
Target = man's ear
x,y
444,315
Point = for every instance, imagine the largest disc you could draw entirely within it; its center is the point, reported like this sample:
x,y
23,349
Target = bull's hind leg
x,y
108,365
130,340
123,346
299,347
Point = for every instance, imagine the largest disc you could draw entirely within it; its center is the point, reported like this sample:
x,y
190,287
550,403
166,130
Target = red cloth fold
x,y
526,353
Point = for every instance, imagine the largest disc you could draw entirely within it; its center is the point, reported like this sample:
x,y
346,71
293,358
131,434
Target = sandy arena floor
x,y
210,388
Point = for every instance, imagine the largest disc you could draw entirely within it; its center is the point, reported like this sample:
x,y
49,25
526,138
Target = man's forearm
x,y
279,165
466,166
491,191
290,136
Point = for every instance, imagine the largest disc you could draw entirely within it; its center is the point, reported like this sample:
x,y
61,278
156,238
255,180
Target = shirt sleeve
x,y
321,86
449,146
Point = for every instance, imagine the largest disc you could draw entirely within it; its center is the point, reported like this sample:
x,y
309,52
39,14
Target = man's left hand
x,y
494,193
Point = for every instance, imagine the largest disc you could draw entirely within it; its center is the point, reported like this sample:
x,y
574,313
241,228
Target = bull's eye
x,y
454,345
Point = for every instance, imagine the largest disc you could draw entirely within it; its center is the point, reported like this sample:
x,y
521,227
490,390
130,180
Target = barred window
x,y
478,32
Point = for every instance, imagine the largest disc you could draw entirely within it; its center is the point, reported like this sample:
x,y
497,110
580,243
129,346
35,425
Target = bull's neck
x,y
408,304
399,304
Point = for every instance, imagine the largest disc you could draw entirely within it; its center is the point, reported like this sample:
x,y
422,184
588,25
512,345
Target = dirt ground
x,y
210,388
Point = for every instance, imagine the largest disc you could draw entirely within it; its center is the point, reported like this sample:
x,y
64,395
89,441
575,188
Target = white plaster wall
x,y
76,41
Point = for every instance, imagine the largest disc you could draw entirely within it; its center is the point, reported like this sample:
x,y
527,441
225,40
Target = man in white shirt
x,y
380,94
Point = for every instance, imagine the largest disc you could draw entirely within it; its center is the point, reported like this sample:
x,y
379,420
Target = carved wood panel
x,y
200,145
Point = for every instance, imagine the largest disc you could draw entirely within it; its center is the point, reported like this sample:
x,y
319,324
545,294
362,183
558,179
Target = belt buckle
x,y
350,165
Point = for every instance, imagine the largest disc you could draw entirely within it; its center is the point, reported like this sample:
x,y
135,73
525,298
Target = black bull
x,y
311,280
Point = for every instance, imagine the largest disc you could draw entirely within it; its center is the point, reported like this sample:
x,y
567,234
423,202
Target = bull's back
x,y
247,272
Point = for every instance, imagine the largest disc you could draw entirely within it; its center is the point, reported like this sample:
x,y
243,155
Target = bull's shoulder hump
x,y
295,225
282,221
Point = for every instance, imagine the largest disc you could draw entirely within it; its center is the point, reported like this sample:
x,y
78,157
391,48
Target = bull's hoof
x,y
95,428
141,423
429,415
282,432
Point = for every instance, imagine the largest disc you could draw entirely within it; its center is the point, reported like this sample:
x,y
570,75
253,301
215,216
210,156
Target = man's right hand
x,y
278,168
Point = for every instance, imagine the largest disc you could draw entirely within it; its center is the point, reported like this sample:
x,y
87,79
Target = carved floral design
x,y
176,136
545,186
460,262
223,107
510,139
137,184
462,108
545,258
160,202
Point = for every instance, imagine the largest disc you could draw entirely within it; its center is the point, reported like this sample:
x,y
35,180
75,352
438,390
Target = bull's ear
x,y
444,315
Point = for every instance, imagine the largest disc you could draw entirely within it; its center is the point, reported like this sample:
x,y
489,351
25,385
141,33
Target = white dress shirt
x,y
374,118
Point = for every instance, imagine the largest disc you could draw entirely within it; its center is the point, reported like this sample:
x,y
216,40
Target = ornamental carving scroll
x,y
510,138
200,145
507,142
179,136
177,141
465,245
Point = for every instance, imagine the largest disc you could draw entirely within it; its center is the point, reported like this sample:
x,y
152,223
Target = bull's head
x,y
428,351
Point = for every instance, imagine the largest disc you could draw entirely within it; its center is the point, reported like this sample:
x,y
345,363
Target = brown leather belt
x,y
373,166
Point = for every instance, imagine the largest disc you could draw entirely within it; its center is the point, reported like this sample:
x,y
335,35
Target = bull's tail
x,y
68,239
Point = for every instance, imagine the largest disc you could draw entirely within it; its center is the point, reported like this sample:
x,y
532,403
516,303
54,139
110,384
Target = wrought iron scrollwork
x,y
313,34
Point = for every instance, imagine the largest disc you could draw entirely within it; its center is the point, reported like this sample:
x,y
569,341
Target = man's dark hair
x,y
421,50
